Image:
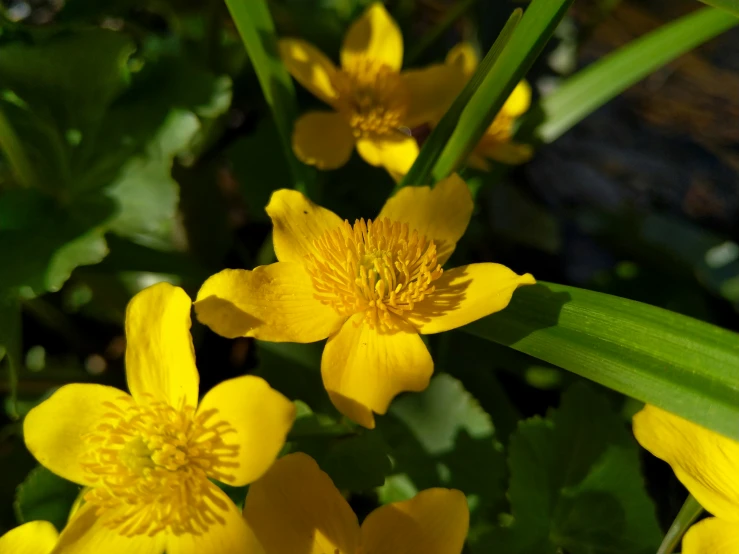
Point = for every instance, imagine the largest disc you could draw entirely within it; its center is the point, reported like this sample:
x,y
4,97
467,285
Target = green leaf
x,y
728,5
672,361
595,85
257,31
439,413
690,511
420,172
14,150
45,496
61,238
521,50
575,484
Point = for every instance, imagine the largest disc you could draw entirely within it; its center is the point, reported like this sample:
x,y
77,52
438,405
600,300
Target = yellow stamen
x,y
372,96
151,465
379,267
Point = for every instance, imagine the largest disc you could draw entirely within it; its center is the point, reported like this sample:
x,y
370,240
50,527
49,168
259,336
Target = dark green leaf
x,y
672,361
728,5
45,496
576,485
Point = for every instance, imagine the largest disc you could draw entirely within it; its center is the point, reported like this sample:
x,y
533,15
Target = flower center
x,y
378,267
372,96
152,463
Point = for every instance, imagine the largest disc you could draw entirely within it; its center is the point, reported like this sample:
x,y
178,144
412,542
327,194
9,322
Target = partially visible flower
x,y
295,508
148,458
374,104
370,287
34,537
708,465
496,143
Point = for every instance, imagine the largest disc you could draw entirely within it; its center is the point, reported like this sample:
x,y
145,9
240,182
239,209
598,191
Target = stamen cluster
x,y
150,464
372,96
381,268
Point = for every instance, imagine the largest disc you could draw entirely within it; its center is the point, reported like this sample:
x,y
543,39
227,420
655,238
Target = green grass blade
x,y
595,85
666,359
727,5
420,172
255,25
688,514
13,150
520,52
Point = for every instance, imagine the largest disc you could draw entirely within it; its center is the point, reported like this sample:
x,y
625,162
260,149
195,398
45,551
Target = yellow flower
x,y
148,457
371,288
496,143
295,508
708,465
34,537
374,104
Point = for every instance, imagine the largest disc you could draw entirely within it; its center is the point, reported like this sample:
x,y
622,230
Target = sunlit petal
x,y
295,508
376,36
323,139
256,419
395,153
441,213
712,536
435,521
55,431
704,461
364,369
34,537
297,222
275,302
465,294
310,67
160,359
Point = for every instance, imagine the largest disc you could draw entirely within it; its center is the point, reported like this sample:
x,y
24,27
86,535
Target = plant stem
x,y
685,518
16,155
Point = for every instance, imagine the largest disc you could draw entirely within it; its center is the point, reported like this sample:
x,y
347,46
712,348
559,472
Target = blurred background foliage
x,y
137,146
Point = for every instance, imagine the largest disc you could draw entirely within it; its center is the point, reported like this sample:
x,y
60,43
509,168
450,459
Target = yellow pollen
x,y
372,96
381,268
151,464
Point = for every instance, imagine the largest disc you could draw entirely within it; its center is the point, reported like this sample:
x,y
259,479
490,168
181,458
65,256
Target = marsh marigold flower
x,y
708,465
148,458
34,537
374,104
496,143
295,508
371,287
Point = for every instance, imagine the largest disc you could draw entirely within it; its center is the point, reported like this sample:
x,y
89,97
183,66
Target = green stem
x,y
257,31
685,518
16,155
427,40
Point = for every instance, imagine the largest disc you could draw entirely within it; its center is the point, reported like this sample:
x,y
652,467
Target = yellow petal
x,y
274,302
323,139
465,294
295,508
310,67
160,358
704,461
509,153
54,429
395,153
712,536
440,213
86,533
259,419
297,222
229,535
431,91
519,101
34,537
375,36
463,57
435,521
364,369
